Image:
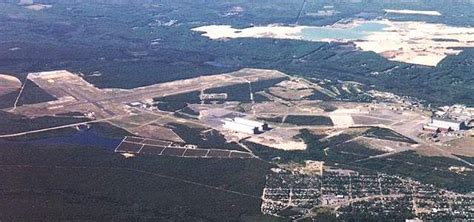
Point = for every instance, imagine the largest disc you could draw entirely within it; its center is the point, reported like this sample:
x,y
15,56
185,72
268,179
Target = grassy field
x,y
309,120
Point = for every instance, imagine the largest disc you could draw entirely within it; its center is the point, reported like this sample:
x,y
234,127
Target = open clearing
x,y
413,12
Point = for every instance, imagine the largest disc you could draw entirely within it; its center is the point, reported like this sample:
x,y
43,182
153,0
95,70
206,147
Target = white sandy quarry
x,y
38,7
412,12
271,31
411,42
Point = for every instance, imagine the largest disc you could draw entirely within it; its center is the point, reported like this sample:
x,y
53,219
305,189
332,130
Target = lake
x,y
357,32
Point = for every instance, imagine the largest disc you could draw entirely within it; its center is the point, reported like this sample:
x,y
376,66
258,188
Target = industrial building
x,y
443,124
239,127
260,125
245,125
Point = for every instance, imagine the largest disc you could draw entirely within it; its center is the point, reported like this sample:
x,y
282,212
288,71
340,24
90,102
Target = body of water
x,y
358,32
87,137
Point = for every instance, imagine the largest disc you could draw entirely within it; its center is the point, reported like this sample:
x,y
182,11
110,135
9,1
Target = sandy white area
x,y
415,42
280,144
128,155
342,120
9,81
8,84
410,42
413,12
38,7
280,138
270,31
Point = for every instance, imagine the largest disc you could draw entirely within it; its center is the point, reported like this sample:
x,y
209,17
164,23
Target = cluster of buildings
x,y
354,194
450,118
443,125
243,125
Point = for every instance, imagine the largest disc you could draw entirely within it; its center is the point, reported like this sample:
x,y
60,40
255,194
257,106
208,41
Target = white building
x,y
260,125
446,124
240,127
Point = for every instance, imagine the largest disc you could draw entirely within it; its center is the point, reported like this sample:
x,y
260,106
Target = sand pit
x,y
280,138
342,120
281,145
38,7
271,31
411,42
413,12
8,84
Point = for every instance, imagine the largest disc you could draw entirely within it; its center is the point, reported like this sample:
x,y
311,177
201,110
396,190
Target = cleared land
x,y
8,84
408,41
413,12
138,145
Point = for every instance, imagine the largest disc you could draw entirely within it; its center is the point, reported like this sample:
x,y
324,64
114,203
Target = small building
x,y
446,124
240,127
260,125
431,128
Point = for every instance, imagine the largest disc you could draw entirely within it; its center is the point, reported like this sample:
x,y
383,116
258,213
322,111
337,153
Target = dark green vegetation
x,y
387,134
171,106
149,48
309,120
31,94
337,149
86,184
176,102
301,120
324,214
238,92
264,85
260,98
191,97
8,100
10,123
190,111
466,158
276,119
203,138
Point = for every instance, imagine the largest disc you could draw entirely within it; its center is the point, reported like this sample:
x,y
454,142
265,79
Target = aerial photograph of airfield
x,y
252,111
265,107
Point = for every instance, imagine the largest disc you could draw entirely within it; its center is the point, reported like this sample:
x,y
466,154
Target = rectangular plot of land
x,y
365,120
218,153
240,155
155,150
173,151
133,139
129,147
196,152
157,142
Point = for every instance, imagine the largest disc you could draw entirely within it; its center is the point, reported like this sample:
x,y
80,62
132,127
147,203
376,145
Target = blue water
x,y
87,137
354,33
